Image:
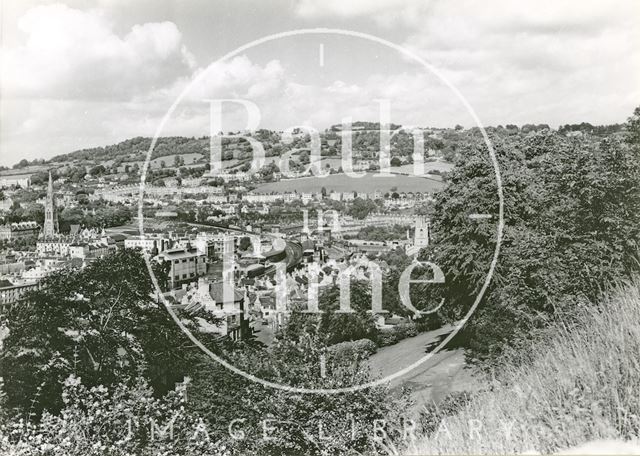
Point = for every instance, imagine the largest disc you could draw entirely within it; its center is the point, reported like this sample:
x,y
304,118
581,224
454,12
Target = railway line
x,y
293,250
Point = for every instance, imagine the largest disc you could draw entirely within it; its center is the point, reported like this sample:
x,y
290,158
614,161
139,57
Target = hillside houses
x,y
19,230
15,179
228,312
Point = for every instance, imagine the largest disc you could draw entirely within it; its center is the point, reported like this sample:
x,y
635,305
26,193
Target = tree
x,y
633,129
98,170
99,323
571,227
338,327
361,208
294,360
245,243
21,164
134,170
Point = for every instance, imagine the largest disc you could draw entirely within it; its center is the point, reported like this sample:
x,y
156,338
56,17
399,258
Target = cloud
x,y
75,77
74,54
384,12
562,60
555,62
238,77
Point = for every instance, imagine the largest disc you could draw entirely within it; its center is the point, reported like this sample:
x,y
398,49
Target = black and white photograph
x,y
319,227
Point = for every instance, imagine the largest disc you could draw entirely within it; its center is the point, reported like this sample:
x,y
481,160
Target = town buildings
x,y
85,244
19,230
185,264
6,204
12,293
22,180
152,244
228,311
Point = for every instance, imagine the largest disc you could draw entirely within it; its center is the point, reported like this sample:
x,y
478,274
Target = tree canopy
x,y
572,224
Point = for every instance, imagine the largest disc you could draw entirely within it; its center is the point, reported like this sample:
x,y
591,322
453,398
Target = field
x,y
435,165
344,183
189,160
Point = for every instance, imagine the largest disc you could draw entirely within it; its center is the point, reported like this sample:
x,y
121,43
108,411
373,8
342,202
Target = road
x,y
443,374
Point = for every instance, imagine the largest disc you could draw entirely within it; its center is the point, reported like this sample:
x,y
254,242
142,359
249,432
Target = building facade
x,y
15,180
185,265
11,294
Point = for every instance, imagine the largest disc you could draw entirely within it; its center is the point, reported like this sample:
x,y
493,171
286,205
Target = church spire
x,y
50,216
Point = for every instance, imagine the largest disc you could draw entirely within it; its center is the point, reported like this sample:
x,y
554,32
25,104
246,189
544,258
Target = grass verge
x,y
578,384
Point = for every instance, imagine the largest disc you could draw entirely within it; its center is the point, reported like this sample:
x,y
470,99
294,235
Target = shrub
x,y
397,333
117,421
406,329
387,337
429,323
357,350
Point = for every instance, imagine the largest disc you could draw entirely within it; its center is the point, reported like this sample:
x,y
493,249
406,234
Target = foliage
x,y
361,208
100,216
313,424
387,337
338,327
406,329
120,421
433,414
379,233
572,225
397,333
354,351
88,215
419,294
99,323
245,243
574,383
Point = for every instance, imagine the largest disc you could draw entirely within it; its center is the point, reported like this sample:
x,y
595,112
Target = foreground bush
x,y
358,350
579,383
397,333
119,421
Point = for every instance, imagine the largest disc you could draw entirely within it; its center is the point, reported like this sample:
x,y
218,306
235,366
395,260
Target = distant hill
x,y
135,149
365,138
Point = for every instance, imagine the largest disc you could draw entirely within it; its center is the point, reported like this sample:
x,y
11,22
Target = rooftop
x,y
176,254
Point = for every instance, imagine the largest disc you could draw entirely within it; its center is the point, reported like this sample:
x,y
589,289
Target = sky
x,y
80,73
